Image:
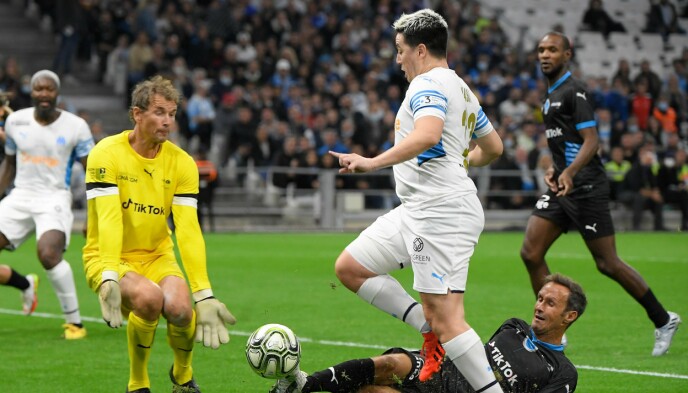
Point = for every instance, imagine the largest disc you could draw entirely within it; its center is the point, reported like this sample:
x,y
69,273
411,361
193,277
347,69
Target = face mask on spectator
x,y
633,128
663,106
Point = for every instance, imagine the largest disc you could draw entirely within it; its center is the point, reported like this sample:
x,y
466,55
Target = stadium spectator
x,y
27,285
201,113
42,142
158,64
514,107
105,41
578,192
653,81
673,184
542,367
129,257
623,74
596,18
616,169
287,157
616,100
665,115
332,142
117,63
431,112
140,54
506,189
641,188
604,131
208,181
677,99
663,19
70,23
641,104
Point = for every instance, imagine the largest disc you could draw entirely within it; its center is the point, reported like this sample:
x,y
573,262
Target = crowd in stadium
x,y
283,82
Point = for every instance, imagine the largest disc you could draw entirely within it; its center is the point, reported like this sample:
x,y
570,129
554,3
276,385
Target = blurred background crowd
x,y
279,83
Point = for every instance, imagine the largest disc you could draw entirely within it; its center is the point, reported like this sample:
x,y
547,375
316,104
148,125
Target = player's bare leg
x,y
603,250
50,248
540,235
351,273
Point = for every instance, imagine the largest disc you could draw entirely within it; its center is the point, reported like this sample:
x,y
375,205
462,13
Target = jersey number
x,y
468,123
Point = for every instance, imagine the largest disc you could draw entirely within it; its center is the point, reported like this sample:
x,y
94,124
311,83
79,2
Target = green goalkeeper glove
x,y
211,317
111,303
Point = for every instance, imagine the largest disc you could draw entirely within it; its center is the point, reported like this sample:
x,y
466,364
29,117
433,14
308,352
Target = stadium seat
x,y
651,43
591,39
622,41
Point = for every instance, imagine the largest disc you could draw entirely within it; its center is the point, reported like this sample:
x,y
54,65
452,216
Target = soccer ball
x,y
273,351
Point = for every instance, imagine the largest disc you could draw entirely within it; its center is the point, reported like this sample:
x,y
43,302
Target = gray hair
x,y
424,27
45,74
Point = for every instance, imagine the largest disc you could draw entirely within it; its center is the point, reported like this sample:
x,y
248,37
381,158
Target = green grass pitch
x,y
288,278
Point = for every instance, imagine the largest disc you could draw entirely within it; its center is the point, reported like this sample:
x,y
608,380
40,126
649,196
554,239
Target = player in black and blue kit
x,y
524,357
578,194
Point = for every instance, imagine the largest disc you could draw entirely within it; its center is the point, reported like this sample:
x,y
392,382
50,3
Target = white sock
x,y
467,352
385,293
62,280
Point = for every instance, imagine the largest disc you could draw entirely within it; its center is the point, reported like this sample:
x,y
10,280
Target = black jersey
x,y
521,363
566,111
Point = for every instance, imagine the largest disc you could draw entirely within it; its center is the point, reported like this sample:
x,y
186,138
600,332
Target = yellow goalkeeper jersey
x,y
129,201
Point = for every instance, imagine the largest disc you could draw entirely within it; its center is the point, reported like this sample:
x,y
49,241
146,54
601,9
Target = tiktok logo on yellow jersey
x,y
142,208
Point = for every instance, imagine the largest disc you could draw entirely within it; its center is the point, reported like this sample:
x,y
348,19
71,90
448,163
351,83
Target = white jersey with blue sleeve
x,y
45,154
438,173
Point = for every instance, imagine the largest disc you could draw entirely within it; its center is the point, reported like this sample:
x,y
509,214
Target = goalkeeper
x,y
524,357
134,180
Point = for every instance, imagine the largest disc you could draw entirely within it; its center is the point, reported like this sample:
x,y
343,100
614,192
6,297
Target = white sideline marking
x,y
349,344
622,371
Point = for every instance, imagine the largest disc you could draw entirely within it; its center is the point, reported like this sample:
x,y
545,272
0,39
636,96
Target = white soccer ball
x,y
273,351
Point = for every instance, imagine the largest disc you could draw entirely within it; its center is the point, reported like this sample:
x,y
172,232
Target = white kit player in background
x,y
42,143
437,226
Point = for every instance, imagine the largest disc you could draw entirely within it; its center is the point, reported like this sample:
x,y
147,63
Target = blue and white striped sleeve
x,y
483,126
427,99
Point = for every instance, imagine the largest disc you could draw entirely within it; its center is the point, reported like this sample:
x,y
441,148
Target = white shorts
x,y
438,243
21,212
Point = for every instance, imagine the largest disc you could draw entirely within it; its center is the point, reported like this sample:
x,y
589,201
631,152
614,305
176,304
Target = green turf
x,y
289,279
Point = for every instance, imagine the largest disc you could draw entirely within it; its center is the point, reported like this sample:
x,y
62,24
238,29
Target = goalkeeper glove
x,y
111,303
211,317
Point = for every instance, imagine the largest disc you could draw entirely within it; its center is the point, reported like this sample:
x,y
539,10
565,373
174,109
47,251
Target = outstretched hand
x,y
211,317
353,163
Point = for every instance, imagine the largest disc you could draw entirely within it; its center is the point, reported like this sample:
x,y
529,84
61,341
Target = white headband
x,y
45,74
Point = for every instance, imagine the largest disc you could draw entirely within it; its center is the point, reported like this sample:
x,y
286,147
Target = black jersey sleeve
x,y
583,112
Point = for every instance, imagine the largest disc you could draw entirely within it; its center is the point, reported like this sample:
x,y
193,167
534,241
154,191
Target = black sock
x,y
18,281
655,311
343,378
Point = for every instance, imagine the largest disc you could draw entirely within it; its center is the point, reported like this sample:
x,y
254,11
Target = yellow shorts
x,y
154,269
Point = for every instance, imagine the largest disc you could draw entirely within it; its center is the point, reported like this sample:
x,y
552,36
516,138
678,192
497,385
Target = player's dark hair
x,y
424,27
564,39
144,92
577,300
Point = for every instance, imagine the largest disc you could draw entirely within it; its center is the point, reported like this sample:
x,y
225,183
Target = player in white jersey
x,y
437,226
42,143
